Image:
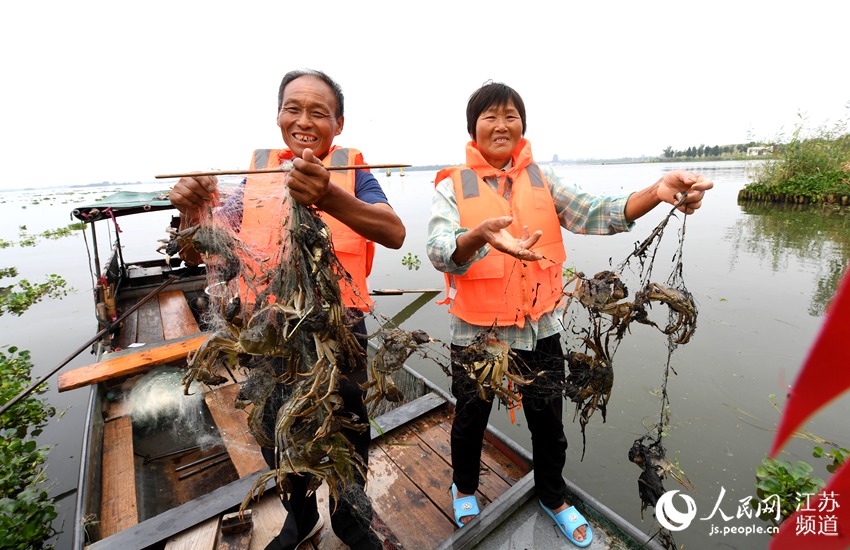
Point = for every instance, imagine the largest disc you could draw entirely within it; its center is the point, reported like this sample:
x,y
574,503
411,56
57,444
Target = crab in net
x,y
649,455
494,369
279,316
216,243
590,379
396,346
682,310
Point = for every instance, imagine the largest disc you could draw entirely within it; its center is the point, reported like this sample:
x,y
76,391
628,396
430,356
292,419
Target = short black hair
x,y
488,95
292,75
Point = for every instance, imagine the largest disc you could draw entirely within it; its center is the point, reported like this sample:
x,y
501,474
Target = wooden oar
x,y
285,167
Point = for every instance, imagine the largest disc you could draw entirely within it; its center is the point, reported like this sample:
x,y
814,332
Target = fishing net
x,y
605,300
277,316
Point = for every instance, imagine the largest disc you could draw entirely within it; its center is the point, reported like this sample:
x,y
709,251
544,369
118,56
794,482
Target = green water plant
x,y
26,509
837,456
18,298
791,483
411,260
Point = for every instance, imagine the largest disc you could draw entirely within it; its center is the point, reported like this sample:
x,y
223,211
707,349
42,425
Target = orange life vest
x,y
355,253
499,288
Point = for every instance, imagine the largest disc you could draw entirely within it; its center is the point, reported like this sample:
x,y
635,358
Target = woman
x,y
495,231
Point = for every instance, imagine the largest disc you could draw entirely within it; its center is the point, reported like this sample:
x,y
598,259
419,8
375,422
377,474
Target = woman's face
x,y
497,132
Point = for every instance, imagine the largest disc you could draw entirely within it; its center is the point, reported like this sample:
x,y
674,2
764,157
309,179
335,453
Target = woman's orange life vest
x,y
499,289
263,209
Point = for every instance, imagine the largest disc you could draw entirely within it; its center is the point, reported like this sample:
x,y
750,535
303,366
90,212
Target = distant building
x,y
759,151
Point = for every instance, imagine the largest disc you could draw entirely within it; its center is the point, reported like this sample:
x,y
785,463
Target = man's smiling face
x,y
307,116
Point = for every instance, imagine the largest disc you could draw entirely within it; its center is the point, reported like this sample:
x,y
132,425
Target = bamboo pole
x,y
286,167
397,291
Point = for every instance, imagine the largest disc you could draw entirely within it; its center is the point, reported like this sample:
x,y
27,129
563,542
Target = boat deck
x,y
408,484
409,480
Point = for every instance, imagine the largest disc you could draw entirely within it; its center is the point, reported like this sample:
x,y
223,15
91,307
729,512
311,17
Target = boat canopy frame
x,y
123,203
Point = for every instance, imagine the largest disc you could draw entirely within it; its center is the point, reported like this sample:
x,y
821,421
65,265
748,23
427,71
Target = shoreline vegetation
x,y
809,171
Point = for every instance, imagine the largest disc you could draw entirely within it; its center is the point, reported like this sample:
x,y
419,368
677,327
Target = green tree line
x,y
703,151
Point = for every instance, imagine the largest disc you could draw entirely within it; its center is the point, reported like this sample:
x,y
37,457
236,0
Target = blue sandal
x,y
568,521
463,507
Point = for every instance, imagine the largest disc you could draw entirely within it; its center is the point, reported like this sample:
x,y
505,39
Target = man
x,y
352,203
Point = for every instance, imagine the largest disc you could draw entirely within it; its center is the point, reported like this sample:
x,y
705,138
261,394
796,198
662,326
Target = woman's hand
x,y
673,184
493,231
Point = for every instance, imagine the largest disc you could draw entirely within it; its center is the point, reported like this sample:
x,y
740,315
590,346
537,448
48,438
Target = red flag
x,y
826,372
825,376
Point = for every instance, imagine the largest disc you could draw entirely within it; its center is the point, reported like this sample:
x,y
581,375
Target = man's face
x,y
307,116
497,133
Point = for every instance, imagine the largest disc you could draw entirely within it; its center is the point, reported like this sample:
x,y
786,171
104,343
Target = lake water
x,y
761,277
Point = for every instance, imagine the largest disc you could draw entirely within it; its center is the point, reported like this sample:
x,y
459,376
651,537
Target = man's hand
x,y
191,195
308,181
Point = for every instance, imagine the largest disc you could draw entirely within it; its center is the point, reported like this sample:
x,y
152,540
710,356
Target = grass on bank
x,y
813,167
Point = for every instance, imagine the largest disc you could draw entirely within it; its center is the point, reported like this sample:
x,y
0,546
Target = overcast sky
x,y
118,91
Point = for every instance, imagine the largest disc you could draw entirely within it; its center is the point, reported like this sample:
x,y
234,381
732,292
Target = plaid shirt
x,y
578,212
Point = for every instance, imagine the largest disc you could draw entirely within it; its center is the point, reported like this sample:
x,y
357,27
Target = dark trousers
x,y
542,404
352,519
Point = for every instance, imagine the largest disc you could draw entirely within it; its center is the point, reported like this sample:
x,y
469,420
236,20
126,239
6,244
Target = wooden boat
x,y
148,485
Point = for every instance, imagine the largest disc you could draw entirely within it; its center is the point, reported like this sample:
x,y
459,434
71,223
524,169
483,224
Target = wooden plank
x,y
493,459
185,516
129,330
118,509
268,515
424,466
490,483
405,413
149,329
234,541
129,362
199,537
233,426
177,317
116,409
414,519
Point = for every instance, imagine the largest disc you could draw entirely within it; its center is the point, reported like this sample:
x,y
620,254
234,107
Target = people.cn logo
x,y
671,518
